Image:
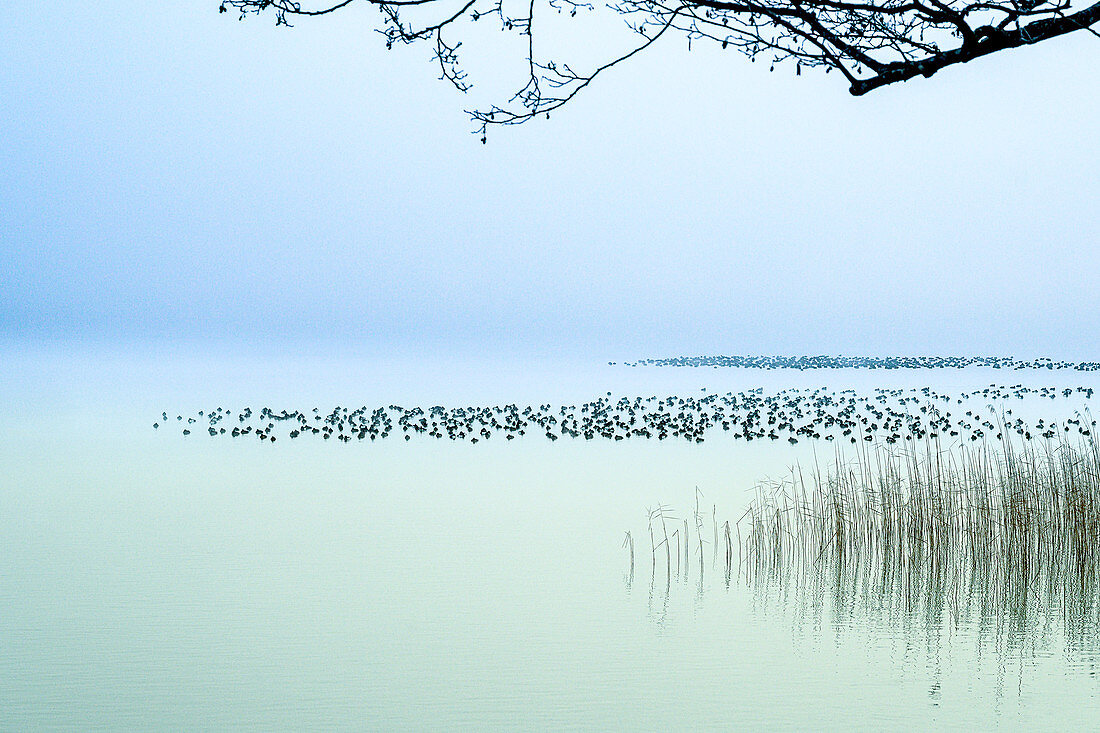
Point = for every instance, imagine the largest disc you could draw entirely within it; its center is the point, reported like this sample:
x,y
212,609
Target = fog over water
x,y
158,580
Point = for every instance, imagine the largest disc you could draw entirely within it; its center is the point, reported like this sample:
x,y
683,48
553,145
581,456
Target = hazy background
x,y
168,174
198,213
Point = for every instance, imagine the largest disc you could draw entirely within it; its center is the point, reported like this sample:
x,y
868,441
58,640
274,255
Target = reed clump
x,y
987,527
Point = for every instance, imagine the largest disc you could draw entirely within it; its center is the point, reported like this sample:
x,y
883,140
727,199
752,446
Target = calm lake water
x,y
155,581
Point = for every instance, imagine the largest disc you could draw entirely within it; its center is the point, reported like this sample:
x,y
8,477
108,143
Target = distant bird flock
x,y
865,362
791,415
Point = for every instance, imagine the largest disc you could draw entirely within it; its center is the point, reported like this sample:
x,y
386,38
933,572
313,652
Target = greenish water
x,y
154,582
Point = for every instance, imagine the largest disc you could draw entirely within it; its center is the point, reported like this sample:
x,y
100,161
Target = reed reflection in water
x,y
992,548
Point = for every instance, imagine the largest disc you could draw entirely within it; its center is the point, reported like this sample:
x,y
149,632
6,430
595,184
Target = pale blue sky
x,y
171,174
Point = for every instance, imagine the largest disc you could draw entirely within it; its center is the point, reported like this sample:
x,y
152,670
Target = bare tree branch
x,y
872,43
988,40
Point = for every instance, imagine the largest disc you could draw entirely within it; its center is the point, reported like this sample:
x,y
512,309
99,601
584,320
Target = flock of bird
x,y
865,362
887,415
